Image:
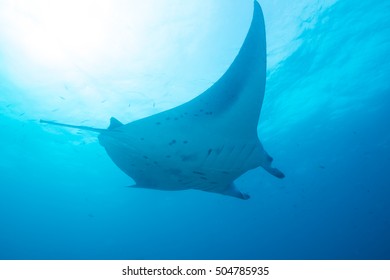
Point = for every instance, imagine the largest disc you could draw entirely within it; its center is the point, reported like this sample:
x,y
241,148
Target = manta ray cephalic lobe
x,y
206,143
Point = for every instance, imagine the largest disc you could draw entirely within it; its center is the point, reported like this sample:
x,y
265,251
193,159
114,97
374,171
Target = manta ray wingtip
x,y
256,4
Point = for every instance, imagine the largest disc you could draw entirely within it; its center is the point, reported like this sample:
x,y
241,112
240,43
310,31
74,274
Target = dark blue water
x,y
325,120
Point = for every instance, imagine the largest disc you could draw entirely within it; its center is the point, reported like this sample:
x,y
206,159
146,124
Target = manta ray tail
x,y
99,130
114,123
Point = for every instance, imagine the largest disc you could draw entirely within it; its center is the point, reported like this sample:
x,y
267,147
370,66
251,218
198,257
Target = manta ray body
x,y
206,143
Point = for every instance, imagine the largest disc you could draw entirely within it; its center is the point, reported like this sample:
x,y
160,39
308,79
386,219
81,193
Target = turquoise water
x,y
325,121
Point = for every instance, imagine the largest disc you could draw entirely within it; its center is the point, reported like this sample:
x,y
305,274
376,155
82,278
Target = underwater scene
x,y
138,130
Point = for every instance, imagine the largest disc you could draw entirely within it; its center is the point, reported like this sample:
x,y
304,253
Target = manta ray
x,y
206,143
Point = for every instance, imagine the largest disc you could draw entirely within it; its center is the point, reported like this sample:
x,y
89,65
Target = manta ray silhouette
x,y
206,143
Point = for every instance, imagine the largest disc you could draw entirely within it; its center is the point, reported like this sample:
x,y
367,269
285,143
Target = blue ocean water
x,y
325,121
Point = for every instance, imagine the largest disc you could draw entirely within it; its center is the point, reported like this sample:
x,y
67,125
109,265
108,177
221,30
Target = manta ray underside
x,y
206,143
